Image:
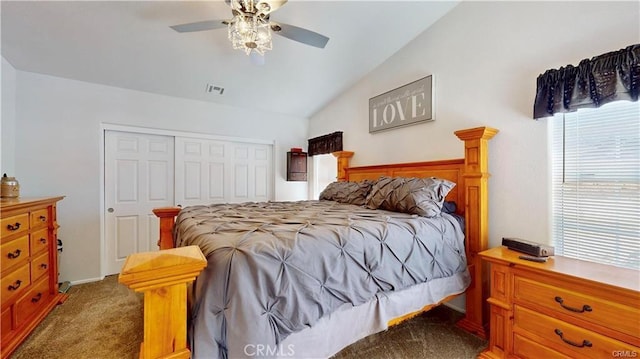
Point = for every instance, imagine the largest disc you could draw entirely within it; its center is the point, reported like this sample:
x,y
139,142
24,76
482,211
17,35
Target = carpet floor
x,y
103,320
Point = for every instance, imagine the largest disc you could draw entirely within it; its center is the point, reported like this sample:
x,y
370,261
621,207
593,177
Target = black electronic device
x,y
530,248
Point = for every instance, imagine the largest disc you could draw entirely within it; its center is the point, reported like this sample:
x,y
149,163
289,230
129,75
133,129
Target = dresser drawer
x,y
566,338
39,218
37,296
528,349
14,252
592,309
14,224
14,283
39,266
39,241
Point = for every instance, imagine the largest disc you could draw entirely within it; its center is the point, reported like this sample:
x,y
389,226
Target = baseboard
x,y
455,307
88,280
458,304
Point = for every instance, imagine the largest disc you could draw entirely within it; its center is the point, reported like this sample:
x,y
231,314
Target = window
x,y
596,184
325,171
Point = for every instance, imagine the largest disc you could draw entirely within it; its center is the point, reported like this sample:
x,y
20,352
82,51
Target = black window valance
x,y
606,78
325,144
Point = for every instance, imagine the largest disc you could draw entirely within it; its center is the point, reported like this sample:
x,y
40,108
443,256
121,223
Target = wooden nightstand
x,y
562,308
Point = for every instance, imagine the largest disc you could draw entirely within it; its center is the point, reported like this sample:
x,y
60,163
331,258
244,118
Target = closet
x,y
148,170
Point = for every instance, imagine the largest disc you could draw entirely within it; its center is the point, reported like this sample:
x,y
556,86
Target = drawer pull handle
x,y
15,254
585,308
43,240
37,298
585,343
13,227
15,285
42,218
43,266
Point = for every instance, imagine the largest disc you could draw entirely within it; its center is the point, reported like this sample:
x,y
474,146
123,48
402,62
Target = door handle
x,y
110,210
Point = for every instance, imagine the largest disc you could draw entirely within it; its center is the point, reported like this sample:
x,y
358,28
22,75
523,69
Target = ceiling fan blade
x,y
299,34
200,26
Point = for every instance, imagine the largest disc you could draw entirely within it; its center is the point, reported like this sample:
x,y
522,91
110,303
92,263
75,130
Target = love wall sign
x,y
406,105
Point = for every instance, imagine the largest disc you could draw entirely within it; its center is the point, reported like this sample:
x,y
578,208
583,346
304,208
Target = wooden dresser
x,y
29,275
562,308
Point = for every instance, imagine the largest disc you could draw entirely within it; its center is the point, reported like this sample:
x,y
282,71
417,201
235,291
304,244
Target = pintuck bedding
x,y
276,268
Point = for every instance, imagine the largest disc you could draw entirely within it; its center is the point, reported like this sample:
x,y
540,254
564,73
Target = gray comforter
x,y
275,268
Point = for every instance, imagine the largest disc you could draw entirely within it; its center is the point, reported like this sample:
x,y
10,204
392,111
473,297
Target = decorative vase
x,y
9,187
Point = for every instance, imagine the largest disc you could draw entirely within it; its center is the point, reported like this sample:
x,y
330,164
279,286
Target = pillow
x,y
347,192
421,196
449,207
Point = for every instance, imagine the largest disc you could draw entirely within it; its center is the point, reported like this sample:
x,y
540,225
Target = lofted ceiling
x,y
129,44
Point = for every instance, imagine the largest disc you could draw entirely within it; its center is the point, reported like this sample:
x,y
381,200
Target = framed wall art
x,y
407,105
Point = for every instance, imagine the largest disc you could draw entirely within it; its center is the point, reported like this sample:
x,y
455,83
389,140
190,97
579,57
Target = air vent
x,y
213,88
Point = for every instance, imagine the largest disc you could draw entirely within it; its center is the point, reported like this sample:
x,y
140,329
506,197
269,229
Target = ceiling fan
x,y
250,27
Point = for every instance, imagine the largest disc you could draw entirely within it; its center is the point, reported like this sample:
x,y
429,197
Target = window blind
x,y
596,184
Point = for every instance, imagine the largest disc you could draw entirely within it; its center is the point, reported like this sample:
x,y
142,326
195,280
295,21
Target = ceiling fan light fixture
x,y
249,28
249,32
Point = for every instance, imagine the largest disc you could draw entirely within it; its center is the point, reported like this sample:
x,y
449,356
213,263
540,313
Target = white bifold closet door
x,y
215,171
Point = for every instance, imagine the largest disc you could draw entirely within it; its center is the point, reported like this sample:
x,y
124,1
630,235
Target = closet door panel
x,y
138,178
228,172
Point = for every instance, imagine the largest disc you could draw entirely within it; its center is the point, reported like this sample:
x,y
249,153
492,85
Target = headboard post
x,y
476,175
343,162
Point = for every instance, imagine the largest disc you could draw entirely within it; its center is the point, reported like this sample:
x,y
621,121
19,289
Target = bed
x,y
355,270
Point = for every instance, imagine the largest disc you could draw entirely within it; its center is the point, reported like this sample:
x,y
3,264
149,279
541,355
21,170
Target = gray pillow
x,y
421,196
347,192
449,207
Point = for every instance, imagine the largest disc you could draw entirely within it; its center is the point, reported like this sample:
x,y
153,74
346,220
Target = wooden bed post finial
x,y
343,162
476,175
167,219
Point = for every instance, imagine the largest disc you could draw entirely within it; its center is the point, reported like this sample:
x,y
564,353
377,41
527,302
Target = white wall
x,y
8,120
58,142
485,57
